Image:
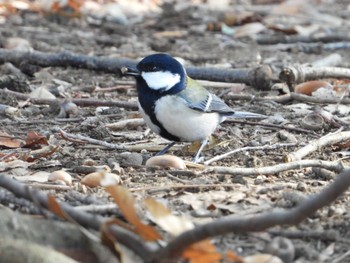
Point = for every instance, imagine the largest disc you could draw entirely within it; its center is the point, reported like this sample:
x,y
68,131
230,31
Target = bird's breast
x,y
183,122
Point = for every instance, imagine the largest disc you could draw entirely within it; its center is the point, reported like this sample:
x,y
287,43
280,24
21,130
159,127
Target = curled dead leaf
x,y
100,178
312,121
260,258
309,87
60,176
166,161
10,141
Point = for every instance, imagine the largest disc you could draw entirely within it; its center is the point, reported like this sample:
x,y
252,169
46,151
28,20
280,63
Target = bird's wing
x,y
198,98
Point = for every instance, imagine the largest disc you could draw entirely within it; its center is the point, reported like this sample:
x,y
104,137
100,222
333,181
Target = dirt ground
x,y
213,195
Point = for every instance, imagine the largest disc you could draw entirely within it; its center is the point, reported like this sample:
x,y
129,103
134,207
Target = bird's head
x,y
160,72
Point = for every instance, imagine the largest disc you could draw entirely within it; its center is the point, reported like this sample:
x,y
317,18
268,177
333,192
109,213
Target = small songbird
x,y
175,106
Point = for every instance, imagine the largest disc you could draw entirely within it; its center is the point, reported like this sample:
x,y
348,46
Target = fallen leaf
x,y
34,138
202,252
10,141
262,258
163,217
309,87
126,203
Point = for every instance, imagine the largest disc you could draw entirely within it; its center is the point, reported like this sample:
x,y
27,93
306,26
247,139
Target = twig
x,y
341,258
50,186
259,77
82,138
93,208
79,102
239,224
333,166
250,148
326,38
305,98
269,125
123,236
160,188
280,99
318,144
326,235
298,73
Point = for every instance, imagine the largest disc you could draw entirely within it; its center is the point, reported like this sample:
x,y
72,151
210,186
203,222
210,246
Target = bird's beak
x,y
247,115
130,71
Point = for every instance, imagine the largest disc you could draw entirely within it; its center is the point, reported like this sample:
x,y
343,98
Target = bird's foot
x,y
165,149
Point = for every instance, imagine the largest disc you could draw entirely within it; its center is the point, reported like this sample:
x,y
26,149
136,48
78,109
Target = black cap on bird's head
x,y
160,72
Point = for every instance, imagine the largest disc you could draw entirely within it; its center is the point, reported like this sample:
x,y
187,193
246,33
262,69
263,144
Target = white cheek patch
x,y
161,79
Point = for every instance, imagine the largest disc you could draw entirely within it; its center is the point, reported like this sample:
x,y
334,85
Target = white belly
x,y
182,122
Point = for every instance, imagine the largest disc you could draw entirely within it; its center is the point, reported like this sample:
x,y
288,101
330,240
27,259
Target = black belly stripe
x,y
147,99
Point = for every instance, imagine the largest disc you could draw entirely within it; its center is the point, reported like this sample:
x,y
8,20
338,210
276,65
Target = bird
x,y
175,106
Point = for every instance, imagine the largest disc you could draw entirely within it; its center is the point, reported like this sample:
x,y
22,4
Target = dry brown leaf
x,y
108,239
202,252
126,203
34,139
309,87
41,153
163,217
55,208
10,141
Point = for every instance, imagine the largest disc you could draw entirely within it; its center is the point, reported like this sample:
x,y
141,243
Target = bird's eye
x,y
154,68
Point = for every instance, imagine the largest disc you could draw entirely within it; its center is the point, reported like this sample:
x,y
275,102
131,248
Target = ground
x,y
213,194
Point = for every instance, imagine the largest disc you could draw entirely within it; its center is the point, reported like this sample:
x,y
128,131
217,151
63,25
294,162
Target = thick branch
x,y
259,77
123,236
298,74
234,224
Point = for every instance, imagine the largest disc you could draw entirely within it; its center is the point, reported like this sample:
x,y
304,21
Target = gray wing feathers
x,y
211,103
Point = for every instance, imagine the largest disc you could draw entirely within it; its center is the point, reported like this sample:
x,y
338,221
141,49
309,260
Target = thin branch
x,y
311,99
270,126
333,166
239,224
250,148
280,99
123,236
325,38
79,102
318,144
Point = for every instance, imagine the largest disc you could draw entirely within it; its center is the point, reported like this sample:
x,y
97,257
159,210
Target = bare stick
x,y
297,74
333,166
318,144
249,148
259,77
79,102
135,148
305,98
270,125
123,236
280,99
239,224
325,38
92,141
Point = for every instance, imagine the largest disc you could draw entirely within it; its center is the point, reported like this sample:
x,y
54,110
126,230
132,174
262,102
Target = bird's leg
x,y
197,158
166,149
